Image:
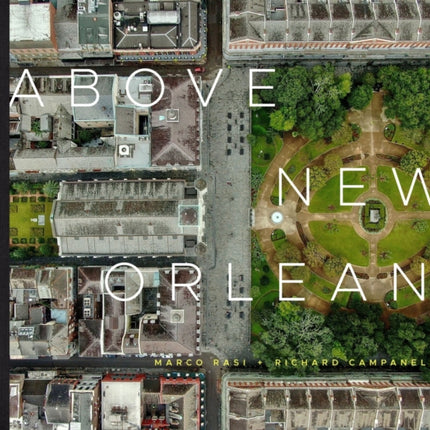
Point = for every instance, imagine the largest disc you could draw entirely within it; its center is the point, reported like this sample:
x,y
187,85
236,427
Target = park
x,y
366,218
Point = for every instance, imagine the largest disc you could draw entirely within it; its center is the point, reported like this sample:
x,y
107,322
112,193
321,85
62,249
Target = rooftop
x,y
94,22
258,401
41,312
276,24
121,217
30,22
156,25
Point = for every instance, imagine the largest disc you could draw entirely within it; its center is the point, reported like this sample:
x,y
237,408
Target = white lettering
x,y
36,94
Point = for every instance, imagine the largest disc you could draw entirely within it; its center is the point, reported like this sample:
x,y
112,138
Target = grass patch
x,y
342,241
408,137
327,198
395,249
264,150
22,224
307,153
325,289
387,185
261,117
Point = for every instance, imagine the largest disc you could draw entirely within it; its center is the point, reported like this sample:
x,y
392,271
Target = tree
x,y
317,177
19,254
21,187
342,135
51,188
288,252
293,331
413,160
420,225
360,97
279,123
408,96
416,265
332,164
358,333
310,100
405,339
314,254
301,273
256,179
368,78
46,250
334,266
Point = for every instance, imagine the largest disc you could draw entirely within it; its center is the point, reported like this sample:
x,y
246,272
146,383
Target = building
x,y
150,324
148,28
75,400
42,313
95,28
130,217
16,404
282,29
32,33
129,135
256,401
149,402
85,403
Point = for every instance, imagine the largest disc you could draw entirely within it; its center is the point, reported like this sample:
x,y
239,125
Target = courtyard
x,y
29,222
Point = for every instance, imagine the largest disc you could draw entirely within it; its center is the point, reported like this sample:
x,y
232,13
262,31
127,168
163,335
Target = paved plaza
x,y
227,170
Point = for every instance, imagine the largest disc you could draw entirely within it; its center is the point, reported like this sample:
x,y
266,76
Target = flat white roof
x,y
30,22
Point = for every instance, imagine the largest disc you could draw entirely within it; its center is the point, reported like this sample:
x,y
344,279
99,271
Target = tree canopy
x,y
308,100
408,95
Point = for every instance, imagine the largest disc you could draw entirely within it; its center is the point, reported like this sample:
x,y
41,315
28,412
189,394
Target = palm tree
x,y
21,187
51,188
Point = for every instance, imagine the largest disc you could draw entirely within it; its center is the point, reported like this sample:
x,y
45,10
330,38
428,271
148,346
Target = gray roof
x,y
57,408
30,23
158,17
278,24
257,401
103,110
120,217
94,24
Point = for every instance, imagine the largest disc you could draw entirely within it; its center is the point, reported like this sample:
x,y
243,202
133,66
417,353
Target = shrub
x,y
264,281
41,199
32,240
23,240
37,208
15,241
24,199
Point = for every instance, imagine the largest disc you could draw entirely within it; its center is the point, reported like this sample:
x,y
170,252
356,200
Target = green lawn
x,y
22,224
344,242
325,289
406,297
307,153
402,242
263,152
387,185
327,198
408,137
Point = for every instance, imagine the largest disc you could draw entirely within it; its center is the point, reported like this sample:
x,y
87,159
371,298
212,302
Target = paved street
x,y
227,170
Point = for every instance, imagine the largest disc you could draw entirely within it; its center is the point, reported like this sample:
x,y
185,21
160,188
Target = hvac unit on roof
x,y
124,150
177,316
145,88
